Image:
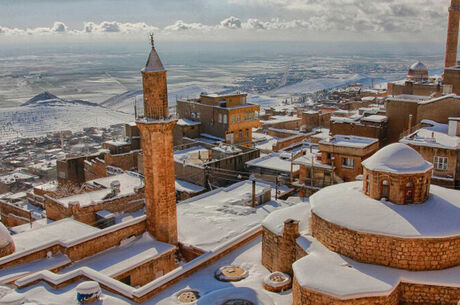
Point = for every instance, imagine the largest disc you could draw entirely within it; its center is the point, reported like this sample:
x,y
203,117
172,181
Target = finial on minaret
x,y
152,41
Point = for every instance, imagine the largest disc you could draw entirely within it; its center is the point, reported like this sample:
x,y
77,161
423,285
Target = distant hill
x,y
45,113
48,99
124,101
313,85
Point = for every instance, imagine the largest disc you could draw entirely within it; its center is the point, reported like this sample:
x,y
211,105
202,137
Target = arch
x,y
385,189
409,192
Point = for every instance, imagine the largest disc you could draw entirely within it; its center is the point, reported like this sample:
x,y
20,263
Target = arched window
x,y
409,193
385,189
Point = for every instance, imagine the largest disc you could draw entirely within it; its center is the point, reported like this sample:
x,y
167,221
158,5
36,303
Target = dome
x,y
418,67
5,237
397,158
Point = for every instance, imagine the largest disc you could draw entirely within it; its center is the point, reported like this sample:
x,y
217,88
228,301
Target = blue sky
x,y
380,20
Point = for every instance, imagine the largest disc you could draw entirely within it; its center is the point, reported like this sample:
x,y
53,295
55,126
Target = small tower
x,y
452,34
156,128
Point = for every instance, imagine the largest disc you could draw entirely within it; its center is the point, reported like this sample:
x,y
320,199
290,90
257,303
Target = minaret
x,y
452,34
156,129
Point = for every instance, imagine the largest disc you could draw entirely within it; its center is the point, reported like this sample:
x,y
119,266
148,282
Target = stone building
x,y
229,117
440,145
6,242
347,246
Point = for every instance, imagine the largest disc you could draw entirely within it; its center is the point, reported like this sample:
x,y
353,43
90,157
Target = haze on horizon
x,y
224,20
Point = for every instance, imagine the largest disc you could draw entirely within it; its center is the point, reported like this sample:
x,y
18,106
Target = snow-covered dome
x,y
397,158
418,67
5,237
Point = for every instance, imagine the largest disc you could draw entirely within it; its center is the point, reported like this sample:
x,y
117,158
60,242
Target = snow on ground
x,y
346,205
313,85
27,121
208,220
248,257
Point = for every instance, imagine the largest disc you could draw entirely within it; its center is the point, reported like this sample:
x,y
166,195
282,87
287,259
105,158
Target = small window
x,y
225,119
239,118
220,118
348,162
385,189
368,185
247,132
240,133
440,163
197,115
193,114
233,119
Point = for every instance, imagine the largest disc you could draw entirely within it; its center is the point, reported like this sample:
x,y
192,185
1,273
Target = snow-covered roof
x,y
301,212
430,138
187,187
187,122
346,205
349,141
375,118
397,158
5,237
207,220
63,230
418,67
153,62
333,274
273,161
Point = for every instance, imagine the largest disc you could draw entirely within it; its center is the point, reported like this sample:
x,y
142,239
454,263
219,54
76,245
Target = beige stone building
x,y
228,117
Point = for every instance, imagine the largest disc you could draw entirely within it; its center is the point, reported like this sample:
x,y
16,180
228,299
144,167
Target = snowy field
x,y
109,75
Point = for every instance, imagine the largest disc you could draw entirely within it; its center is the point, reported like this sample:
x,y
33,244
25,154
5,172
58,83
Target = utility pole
x,y
253,178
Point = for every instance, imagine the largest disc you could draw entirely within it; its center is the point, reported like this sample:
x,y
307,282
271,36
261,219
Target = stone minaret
x,y
452,34
156,129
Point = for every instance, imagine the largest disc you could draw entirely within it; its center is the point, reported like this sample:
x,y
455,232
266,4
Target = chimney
x,y
454,127
115,186
410,122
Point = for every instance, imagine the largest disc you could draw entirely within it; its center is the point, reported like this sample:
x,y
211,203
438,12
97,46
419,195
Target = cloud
x,y
180,25
231,23
117,27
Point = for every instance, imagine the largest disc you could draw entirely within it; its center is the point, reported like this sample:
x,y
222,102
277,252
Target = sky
x,y
221,20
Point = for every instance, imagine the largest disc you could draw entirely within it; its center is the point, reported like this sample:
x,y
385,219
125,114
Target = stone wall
x,y
9,211
404,253
397,186
279,252
95,169
418,294
125,161
303,296
373,130
148,271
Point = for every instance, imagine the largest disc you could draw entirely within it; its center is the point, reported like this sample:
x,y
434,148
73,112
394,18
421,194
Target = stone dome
x,y
418,72
397,158
418,67
5,237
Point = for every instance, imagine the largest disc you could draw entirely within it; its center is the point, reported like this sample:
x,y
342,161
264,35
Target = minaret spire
x,y
152,41
452,34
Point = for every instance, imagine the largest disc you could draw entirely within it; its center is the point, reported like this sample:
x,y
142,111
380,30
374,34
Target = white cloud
x,y
117,27
231,23
180,25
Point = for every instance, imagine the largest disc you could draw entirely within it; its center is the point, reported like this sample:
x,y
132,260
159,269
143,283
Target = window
x,y
233,119
247,132
348,162
220,118
240,133
440,163
197,115
225,119
409,198
193,114
239,118
367,184
385,189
